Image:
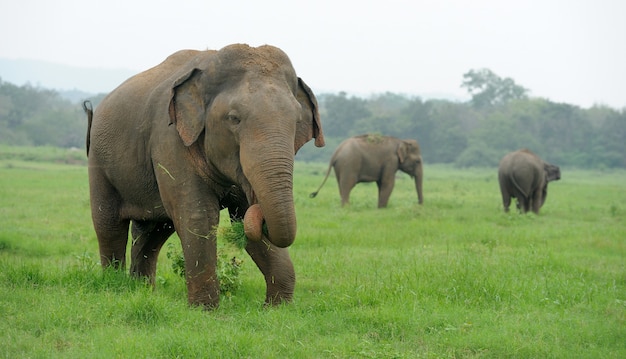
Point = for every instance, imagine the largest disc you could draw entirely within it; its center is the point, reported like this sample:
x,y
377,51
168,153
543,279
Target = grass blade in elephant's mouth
x,y
234,234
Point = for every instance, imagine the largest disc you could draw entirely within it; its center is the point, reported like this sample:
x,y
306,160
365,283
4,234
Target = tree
x,y
448,135
610,141
340,113
39,117
488,89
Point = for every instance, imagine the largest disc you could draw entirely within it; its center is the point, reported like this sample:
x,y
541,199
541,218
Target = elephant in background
x,y
525,176
202,131
375,158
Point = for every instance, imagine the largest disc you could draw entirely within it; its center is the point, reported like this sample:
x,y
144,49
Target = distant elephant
x,y
202,131
375,158
525,176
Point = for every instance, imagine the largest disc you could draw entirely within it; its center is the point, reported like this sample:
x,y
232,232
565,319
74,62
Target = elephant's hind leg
x,y
112,241
112,232
535,203
506,201
346,184
524,204
506,195
148,238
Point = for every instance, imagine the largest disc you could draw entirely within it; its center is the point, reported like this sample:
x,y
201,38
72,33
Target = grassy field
x,y
454,278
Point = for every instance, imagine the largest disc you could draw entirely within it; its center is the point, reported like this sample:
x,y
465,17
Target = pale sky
x,y
571,51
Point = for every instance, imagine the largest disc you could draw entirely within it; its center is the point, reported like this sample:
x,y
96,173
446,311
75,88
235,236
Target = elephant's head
x,y
410,158
250,113
553,173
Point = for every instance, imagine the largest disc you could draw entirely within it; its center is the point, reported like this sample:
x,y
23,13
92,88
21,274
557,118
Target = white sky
x,y
570,51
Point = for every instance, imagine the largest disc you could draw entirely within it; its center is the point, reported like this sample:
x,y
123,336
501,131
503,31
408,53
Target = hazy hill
x,y
68,80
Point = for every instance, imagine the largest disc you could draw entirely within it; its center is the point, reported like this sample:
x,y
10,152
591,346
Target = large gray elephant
x,y
375,158
525,176
202,131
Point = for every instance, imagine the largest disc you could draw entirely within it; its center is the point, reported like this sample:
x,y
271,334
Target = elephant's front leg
x,y
196,229
385,187
200,271
272,261
277,268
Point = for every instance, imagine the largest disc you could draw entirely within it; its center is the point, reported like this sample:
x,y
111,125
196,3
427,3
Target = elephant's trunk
x,y
271,178
419,178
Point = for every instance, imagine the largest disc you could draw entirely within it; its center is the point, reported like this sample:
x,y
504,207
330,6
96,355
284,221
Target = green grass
x,y
454,278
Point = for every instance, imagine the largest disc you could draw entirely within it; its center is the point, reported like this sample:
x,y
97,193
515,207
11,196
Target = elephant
x,y
525,176
374,158
202,131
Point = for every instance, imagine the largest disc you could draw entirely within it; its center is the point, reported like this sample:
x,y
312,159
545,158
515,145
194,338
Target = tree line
x,y
33,116
499,118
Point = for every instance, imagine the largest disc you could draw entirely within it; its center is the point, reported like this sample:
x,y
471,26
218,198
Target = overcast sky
x,y
570,51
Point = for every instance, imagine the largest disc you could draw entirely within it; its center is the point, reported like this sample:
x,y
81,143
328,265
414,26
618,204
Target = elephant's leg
x,y
544,196
272,261
524,203
148,238
385,187
536,202
346,184
195,222
112,241
200,253
112,232
506,199
194,211
277,268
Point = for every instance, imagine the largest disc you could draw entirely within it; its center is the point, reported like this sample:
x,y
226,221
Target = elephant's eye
x,y
233,117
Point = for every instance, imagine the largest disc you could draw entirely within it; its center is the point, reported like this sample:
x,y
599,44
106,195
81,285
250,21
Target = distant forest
x,y
500,117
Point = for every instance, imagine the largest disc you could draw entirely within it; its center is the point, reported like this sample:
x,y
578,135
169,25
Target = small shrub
x,y
178,261
228,269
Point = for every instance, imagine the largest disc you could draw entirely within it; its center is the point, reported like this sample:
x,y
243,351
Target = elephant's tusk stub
x,y
253,223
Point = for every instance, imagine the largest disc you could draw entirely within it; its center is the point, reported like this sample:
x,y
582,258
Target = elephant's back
x,y
518,160
143,96
367,142
146,82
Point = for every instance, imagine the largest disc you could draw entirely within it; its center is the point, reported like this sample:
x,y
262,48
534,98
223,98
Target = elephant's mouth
x,y
253,223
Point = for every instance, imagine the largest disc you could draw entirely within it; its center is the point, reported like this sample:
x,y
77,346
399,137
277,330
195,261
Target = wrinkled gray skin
x,y
202,131
375,158
525,176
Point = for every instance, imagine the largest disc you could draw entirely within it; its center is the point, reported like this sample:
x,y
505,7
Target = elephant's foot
x,y
281,283
210,302
278,298
203,292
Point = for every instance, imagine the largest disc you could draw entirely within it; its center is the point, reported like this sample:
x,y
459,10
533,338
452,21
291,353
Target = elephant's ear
x,y
186,108
309,125
402,151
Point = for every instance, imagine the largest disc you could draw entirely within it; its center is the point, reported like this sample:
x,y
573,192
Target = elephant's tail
x,y
518,186
88,108
312,195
